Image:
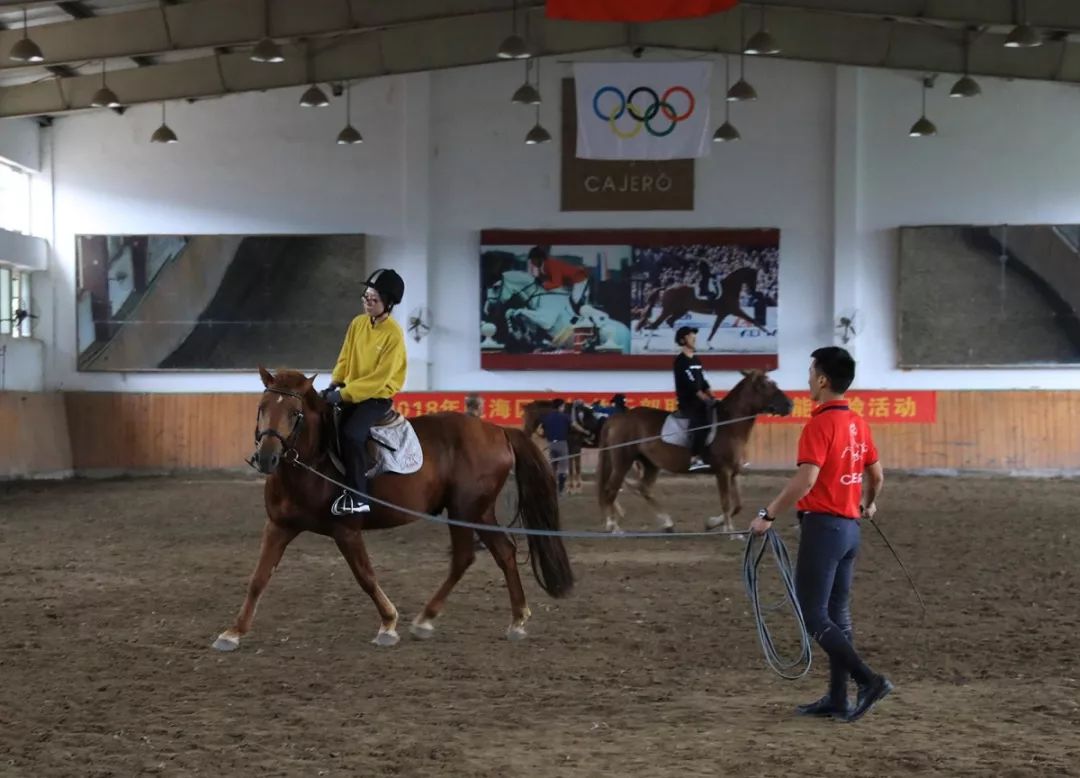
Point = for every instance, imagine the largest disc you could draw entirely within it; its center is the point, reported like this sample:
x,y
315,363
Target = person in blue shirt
x,y
556,427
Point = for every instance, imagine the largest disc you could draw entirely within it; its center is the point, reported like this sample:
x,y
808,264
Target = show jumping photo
x,y
436,410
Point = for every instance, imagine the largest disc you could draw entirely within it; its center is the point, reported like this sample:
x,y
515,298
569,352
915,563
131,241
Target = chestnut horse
x,y
756,393
680,299
466,462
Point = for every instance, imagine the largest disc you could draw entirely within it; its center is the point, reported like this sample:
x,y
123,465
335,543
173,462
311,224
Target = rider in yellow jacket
x,y
370,370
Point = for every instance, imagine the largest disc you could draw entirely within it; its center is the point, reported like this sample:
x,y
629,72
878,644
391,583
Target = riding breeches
x,y
698,414
359,419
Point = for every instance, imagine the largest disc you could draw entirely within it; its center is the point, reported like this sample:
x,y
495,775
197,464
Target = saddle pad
x,y
397,448
675,429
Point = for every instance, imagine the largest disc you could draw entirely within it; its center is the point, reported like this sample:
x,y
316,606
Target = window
x,y
14,302
14,199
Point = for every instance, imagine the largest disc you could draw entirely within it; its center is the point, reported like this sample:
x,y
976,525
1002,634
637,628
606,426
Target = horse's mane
x,y
734,399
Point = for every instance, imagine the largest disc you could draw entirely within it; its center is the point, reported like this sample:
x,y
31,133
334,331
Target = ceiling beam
x,y
806,35
209,24
76,10
206,24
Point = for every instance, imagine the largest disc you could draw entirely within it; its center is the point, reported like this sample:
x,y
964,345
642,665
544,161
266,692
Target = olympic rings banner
x,y
642,110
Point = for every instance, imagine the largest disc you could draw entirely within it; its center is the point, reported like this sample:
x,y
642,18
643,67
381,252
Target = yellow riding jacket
x,y
372,360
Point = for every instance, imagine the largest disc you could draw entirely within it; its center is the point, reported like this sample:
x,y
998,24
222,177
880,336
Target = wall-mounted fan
x,y
20,315
848,324
419,323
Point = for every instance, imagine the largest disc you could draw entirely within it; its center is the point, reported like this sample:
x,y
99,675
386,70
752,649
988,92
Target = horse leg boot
x,y
462,557
350,543
274,541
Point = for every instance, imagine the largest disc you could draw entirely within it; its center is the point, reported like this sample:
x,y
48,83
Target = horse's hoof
x,y
226,642
386,638
422,630
739,537
714,522
515,634
665,522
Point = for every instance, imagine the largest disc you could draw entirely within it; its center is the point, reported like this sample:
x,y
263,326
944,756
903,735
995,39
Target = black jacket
x,y
689,380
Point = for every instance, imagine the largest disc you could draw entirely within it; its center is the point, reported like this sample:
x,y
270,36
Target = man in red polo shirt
x,y
838,480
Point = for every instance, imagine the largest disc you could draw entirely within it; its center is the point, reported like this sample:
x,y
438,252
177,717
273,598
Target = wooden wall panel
x,y
1008,431
33,435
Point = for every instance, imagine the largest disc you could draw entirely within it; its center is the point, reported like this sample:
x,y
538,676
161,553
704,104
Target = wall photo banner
x,y
642,110
613,299
215,302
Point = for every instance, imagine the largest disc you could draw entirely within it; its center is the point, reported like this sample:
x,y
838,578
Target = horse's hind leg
x,y
274,541
608,483
350,543
462,556
645,487
504,552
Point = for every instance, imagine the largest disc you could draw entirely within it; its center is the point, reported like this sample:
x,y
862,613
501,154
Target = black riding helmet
x,y
389,286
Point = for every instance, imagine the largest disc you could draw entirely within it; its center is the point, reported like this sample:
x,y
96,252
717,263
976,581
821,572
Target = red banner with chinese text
x,y
889,407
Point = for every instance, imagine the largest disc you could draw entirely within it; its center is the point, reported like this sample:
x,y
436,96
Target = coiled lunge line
x,y
751,560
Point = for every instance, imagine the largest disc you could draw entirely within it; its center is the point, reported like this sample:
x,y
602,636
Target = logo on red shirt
x,y
839,443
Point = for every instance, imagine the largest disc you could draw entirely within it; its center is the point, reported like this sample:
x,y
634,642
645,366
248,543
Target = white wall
x,y
1009,156
248,164
21,365
483,176
825,157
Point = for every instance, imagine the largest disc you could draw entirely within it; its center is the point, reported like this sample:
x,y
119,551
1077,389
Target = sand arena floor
x,y
111,593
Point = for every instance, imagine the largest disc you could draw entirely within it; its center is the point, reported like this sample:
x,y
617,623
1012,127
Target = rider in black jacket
x,y
692,391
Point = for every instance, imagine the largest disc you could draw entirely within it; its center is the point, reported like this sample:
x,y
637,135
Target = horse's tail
x,y
538,508
646,309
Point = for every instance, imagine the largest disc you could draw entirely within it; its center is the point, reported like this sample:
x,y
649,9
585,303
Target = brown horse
x,y
756,393
678,300
466,462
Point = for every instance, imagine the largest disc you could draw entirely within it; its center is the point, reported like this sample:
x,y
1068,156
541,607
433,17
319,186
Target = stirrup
x,y
697,464
347,504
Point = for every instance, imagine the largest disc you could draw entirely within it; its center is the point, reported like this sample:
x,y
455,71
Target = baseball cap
x,y
682,332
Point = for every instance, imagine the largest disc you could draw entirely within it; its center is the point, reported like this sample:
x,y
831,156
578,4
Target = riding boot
x,y
349,502
562,483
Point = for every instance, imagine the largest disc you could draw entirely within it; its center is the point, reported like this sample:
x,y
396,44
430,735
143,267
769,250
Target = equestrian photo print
x,y
613,299
726,284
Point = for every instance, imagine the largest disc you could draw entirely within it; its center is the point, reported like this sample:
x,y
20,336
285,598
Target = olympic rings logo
x,y
643,118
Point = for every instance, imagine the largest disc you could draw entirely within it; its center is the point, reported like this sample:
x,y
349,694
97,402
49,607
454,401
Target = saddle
x,y
392,445
676,428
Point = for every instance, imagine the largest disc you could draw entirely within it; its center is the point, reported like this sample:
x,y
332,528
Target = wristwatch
x,y
764,514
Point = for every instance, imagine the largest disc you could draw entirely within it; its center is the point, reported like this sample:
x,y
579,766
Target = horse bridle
x,y
298,425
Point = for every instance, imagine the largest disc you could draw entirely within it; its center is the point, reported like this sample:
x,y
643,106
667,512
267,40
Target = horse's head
x,y
757,393
288,416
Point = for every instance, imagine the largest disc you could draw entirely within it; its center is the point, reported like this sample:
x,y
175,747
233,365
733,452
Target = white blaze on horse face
x,y
280,398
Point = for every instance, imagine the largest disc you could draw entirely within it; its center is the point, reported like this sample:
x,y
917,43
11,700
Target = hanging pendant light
x,y
966,86
923,127
513,46
104,97
741,90
726,132
25,50
314,96
526,94
762,41
537,134
350,135
164,133
267,50
1023,35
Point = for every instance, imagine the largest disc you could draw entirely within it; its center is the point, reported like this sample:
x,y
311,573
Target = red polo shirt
x,y
839,442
